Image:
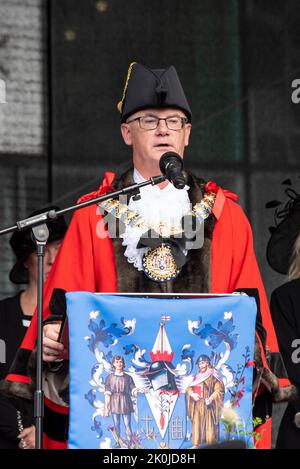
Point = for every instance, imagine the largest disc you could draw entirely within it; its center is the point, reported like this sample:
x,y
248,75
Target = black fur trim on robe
x,y
195,276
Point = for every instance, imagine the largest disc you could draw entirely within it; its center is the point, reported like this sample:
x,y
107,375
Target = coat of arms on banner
x,y
160,373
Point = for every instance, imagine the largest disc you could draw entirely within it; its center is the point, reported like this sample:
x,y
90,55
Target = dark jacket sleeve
x,y
8,422
284,305
13,411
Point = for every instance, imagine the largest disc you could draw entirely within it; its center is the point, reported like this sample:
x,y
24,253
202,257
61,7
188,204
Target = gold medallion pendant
x,y
159,264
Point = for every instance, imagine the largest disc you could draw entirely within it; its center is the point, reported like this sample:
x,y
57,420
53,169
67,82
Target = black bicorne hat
x,y
23,245
284,234
146,88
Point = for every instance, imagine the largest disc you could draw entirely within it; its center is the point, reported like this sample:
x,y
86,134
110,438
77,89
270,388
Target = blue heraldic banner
x,y
160,372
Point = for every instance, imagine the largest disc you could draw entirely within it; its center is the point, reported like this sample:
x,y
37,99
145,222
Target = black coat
x,y
285,310
14,412
13,327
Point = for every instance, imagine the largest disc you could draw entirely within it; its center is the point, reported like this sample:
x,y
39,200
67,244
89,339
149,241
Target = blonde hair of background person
x,y
294,270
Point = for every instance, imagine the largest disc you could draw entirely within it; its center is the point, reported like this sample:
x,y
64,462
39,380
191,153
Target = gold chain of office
x,y
201,210
159,263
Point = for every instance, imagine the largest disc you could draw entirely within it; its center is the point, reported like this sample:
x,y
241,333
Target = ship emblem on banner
x,y
160,373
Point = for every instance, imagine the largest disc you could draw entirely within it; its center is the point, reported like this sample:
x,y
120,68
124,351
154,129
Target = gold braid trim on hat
x,y
120,103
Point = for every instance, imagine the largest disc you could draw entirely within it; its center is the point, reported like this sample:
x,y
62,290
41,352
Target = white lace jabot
x,y
168,205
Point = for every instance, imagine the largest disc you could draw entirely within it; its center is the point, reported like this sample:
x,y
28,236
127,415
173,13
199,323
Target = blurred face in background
x,y
31,262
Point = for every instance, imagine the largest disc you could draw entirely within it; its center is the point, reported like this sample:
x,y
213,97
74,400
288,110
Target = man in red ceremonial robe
x,y
155,119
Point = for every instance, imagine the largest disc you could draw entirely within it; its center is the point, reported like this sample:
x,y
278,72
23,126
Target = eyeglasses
x,y
152,122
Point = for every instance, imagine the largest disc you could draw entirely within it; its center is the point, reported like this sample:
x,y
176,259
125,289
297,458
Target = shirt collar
x,y
169,189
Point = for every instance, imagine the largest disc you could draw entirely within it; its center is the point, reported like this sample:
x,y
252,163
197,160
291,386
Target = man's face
x,y
149,145
118,365
203,366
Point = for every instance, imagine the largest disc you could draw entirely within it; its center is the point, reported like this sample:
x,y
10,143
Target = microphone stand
x,y
40,236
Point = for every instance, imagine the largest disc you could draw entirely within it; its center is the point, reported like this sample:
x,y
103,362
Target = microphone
x,y
171,166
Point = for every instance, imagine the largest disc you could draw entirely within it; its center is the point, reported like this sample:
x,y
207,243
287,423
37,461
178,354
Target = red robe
x,y
86,262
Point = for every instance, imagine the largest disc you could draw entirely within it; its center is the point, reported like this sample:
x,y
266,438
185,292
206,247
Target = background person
x,y
283,254
16,414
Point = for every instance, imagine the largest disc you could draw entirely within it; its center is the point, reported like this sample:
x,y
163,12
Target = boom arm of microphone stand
x,y
53,214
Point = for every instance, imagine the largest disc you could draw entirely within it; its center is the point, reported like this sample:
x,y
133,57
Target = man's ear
x,y
188,128
126,133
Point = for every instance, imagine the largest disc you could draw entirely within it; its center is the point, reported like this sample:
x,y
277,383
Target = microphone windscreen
x,y
167,158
